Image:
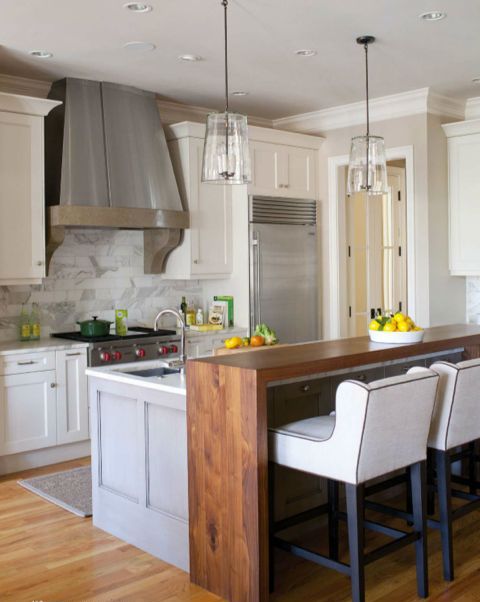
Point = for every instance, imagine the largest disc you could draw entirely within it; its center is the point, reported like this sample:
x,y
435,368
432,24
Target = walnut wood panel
x,y
228,457
299,360
228,454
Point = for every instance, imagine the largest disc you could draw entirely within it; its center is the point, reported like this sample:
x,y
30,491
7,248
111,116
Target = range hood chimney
x,y
107,166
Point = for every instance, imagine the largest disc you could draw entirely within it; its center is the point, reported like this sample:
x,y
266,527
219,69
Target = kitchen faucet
x,y
174,312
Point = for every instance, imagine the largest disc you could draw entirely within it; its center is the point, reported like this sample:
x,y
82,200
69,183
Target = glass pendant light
x,y
367,168
226,159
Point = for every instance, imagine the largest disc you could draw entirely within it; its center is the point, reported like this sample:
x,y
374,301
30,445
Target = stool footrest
x,y
384,509
391,546
296,519
302,552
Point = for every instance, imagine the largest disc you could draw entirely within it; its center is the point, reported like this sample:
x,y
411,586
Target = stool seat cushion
x,y
318,428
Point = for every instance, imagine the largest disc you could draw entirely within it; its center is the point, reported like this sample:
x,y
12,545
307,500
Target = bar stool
x,y
378,428
455,423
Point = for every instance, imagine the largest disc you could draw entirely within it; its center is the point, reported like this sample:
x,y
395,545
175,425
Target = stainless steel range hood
x,y
107,166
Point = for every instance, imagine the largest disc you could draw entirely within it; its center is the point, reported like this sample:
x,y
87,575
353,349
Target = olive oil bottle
x,y
35,323
24,324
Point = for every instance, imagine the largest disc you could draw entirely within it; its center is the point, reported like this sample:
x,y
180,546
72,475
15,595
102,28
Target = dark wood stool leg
x,y
443,465
430,482
333,519
408,493
355,514
271,526
472,468
418,488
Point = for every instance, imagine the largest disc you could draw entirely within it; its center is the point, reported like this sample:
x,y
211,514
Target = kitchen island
x,y
139,457
227,442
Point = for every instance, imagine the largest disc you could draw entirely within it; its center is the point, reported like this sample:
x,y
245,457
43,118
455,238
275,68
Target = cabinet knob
x,y
195,261
39,263
53,385
306,388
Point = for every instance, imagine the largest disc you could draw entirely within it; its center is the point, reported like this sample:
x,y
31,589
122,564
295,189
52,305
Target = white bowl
x,y
380,336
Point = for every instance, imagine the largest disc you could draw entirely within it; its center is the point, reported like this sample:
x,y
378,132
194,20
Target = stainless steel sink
x,y
149,372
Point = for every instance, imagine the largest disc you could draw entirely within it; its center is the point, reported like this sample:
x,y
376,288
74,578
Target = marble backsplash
x,y
92,273
473,299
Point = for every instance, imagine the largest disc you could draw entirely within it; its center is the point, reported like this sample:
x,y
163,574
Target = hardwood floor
x,y
51,555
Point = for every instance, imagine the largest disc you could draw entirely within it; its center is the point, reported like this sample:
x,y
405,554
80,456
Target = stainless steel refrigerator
x,y
283,267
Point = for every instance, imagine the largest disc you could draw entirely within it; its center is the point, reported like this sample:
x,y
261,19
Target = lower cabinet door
x,y
72,397
27,412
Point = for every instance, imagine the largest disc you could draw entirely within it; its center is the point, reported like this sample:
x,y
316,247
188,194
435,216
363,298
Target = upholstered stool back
x,y
456,417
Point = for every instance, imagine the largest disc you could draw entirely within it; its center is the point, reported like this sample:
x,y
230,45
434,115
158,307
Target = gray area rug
x,y
71,489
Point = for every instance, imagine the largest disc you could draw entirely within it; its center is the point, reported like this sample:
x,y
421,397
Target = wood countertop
x,y
287,361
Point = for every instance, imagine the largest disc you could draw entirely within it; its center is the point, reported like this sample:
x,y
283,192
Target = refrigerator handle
x,y
257,319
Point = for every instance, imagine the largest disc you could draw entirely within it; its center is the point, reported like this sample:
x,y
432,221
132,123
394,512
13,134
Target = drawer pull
x,y
26,363
305,388
53,385
72,354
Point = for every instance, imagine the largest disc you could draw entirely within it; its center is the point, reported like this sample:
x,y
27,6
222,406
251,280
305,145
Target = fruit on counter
x,y
394,323
233,343
257,340
267,333
246,341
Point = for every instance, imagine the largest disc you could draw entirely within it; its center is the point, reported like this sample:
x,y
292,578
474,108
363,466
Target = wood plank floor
x,y
51,555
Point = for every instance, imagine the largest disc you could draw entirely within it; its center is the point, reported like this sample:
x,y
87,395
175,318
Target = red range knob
x,y
105,356
162,350
173,349
117,355
140,352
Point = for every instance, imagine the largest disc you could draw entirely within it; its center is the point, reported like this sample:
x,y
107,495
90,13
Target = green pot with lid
x,y
94,327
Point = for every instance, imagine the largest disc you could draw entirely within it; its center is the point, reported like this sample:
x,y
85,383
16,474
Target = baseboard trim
x,y
44,457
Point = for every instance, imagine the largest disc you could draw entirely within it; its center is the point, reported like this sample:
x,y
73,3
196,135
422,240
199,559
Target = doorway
x,y
376,252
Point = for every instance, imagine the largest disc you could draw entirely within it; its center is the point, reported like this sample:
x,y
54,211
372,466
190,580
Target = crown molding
x,y
175,112
472,108
12,84
383,108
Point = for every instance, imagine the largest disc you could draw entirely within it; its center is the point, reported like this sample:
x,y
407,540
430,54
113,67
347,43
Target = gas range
x,y
140,344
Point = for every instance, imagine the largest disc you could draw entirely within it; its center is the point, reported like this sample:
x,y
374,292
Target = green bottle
x,y
35,322
183,309
24,324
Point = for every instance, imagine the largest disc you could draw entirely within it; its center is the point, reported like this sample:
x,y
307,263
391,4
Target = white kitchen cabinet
x,y
22,222
282,170
72,396
206,249
27,412
464,192
43,400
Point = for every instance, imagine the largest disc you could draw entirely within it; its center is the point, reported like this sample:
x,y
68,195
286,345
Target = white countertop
x,y
47,344
171,383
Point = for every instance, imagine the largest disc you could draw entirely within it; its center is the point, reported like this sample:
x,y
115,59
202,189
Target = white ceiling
x,y
87,38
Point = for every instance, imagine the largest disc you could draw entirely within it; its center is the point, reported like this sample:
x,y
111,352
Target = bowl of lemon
x,y
397,328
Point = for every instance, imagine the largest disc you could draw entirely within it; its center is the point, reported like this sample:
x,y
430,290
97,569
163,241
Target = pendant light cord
x,y
366,86
225,4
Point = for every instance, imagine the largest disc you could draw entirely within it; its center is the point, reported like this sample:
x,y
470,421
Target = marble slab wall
x,y
473,299
93,273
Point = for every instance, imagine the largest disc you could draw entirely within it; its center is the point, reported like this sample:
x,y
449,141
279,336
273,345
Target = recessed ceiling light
x,y
139,46
190,58
40,54
433,15
305,52
138,7
240,93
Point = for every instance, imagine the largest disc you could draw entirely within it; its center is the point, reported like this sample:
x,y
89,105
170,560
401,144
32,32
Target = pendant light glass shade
x,y
367,169
226,159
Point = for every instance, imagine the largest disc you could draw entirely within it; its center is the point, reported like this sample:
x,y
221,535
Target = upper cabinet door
x,y
300,172
22,238
268,173
464,192
206,250
211,221
283,171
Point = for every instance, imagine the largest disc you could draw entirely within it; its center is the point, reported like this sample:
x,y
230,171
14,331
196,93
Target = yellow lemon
x,y
390,327
374,325
399,317
417,328
403,326
233,343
